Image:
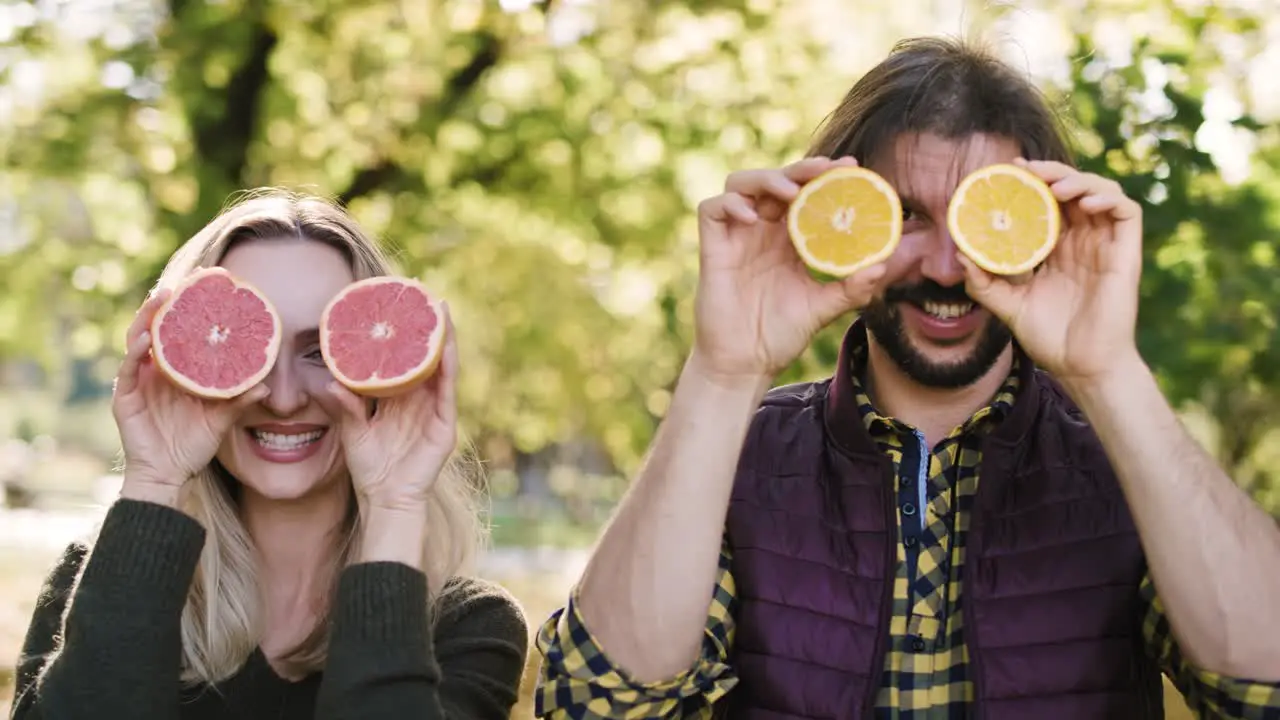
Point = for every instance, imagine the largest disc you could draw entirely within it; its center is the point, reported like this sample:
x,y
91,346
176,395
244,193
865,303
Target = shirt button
x,y
910,541
908,509
917,644
904,481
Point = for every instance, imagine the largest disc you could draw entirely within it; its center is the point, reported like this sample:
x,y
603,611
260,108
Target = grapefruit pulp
x,y
215,336
382,336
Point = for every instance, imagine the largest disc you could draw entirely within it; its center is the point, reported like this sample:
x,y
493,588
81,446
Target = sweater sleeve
x,y
388,659
105,638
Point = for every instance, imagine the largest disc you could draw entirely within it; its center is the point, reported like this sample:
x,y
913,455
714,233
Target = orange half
x,y
844,220
1004,218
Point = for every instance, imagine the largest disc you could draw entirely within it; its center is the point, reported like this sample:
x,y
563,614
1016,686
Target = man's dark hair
x,y
947,87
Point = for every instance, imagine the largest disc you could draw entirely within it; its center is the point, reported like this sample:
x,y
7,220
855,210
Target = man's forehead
x,y
925,168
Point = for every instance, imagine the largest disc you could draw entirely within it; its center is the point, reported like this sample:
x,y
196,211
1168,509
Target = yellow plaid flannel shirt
x,y
578,681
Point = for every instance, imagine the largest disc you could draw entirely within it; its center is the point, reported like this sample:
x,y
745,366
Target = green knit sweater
x,y
105,641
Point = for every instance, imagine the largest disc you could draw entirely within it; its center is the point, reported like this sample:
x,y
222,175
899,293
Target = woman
x,y
233,581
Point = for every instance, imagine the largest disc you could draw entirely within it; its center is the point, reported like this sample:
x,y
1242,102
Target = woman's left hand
x,y
395,455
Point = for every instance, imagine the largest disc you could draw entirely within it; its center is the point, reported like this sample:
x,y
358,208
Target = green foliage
x,y
539,167
1209,292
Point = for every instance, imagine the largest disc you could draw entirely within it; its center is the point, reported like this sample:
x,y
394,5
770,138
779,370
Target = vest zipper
x,y
975,657
1150,684
886,600
973,557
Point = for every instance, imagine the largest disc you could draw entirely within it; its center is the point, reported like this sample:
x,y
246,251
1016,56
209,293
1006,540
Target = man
x,y
955,524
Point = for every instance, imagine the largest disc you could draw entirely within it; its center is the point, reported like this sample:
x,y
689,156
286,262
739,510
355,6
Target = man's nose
x,y
941,262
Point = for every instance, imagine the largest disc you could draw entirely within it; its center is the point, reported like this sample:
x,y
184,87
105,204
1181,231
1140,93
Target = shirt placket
x,y
923,507
915,514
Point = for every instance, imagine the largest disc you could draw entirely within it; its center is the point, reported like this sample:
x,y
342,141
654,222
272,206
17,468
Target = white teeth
x,y
947,310
276,441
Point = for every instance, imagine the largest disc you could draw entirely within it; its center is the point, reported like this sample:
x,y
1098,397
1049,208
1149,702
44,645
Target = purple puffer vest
x,y
1051,576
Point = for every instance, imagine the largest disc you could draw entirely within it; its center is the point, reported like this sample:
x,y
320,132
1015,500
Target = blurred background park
x,y
537,162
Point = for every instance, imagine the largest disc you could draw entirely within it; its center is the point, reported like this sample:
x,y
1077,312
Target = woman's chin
x,y
296,481
284,481
280,487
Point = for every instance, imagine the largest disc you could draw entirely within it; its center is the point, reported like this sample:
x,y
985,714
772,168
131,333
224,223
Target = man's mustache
x,y
926,291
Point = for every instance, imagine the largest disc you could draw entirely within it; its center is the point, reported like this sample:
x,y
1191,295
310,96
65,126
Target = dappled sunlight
x,y
539,165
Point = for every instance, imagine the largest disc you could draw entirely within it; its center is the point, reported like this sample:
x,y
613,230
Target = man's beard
x,y
886,325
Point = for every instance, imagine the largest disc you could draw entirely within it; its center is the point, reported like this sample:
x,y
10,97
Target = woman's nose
x,y
287,393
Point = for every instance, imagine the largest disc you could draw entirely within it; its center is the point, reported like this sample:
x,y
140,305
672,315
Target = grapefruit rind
x,y
399,384
186,383
962,241
800,241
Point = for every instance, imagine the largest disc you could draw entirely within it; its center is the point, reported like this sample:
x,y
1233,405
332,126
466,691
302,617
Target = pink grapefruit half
x,y
382,336
215,336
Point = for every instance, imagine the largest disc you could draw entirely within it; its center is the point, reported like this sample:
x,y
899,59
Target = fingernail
x,y
145,337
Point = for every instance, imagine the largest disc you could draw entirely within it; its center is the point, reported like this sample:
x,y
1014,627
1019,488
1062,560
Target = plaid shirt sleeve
x,y
1208,694
579,683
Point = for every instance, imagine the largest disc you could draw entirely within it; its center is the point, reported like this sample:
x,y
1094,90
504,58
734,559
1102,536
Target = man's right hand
x,y
757,307
645,593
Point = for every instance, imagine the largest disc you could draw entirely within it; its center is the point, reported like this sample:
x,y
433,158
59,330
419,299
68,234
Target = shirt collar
x,y
981,422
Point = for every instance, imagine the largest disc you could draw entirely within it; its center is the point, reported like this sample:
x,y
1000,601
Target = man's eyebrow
x,y
910,202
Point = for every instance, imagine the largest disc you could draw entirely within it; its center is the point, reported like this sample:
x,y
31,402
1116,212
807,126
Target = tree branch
x,y
225,140
386,173
465,80
370,179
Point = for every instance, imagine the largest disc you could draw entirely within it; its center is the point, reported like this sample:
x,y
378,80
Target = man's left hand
x,y
1076,314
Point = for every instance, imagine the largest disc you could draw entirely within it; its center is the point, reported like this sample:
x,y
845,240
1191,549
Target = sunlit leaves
x,y
538,163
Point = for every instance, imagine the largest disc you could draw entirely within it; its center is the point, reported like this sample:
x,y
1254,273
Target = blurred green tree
x,y
538,163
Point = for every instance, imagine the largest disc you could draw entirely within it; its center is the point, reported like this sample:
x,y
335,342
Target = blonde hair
x,y
221,622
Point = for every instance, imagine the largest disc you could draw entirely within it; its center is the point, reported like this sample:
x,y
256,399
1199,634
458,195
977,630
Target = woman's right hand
x,y
167,434
757,307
